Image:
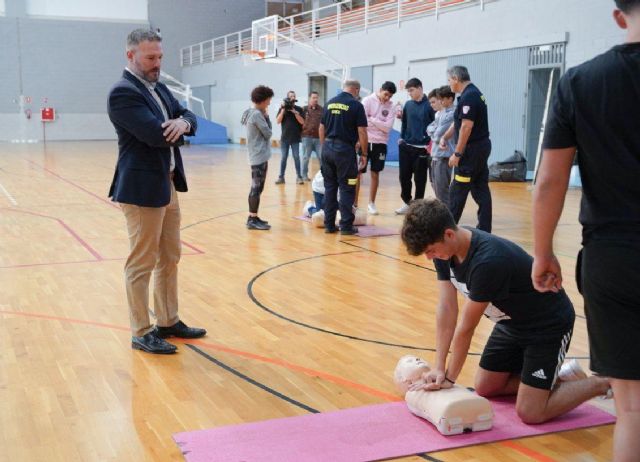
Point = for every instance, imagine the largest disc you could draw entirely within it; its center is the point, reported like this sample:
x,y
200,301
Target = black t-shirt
x,y
596,108
498,271
342,117
472,105
291,128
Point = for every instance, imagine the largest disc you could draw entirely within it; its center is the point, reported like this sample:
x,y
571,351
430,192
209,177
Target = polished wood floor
x,y
321,319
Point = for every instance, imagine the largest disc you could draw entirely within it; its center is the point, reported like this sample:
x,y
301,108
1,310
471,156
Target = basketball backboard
x,y
264,37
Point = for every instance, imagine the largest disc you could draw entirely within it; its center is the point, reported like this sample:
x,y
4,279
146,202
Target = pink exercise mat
x,y
362,434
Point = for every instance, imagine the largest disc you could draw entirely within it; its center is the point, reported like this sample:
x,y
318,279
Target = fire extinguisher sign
x,y
47,114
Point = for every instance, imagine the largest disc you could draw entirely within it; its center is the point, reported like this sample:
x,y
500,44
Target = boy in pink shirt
x,y
380,116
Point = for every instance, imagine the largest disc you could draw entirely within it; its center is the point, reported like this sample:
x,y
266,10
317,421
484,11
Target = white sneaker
x,y
372,209
402,210
305,208
570,371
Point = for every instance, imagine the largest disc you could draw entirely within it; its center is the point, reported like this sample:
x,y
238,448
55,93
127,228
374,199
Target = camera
x,y
289,103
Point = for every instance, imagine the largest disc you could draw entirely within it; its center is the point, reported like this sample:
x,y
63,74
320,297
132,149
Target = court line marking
x,y
8,194
332,332
314,373
68,228
101,199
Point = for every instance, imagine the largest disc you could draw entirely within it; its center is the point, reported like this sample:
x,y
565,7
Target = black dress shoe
x,y
151,343
331,230
349,231
180,330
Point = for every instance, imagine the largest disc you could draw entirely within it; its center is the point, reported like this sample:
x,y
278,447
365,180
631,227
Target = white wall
x,y
586,25
135,10
67,127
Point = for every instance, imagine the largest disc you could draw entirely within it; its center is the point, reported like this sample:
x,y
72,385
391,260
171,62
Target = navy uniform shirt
x,y
342,117
596,108
472,106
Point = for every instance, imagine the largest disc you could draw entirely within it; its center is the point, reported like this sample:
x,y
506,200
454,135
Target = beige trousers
x,y
154,242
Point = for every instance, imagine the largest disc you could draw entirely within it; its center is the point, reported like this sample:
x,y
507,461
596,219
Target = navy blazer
x,y
144,156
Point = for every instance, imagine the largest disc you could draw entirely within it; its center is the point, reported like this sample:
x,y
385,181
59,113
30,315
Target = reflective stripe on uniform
x,y
352,181
462,179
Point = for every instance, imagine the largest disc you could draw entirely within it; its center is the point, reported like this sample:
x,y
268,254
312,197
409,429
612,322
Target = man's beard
x,y
151,76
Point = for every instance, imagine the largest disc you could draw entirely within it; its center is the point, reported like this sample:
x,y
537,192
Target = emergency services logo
x,y
465,109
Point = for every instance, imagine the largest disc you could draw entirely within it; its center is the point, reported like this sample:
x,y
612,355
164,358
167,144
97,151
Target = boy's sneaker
x,y
372,209
280,180
300,180
262,221
402,210
571,370
305,209
257,224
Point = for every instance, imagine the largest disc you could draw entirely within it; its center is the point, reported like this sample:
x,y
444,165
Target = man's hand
x,y
454,161
174,129
432,380
362,162
546,274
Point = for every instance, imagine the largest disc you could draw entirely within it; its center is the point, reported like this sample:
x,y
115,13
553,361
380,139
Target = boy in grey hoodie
x,y
258,125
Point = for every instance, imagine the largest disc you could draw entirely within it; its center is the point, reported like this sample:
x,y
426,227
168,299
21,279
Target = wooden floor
x,y
321,319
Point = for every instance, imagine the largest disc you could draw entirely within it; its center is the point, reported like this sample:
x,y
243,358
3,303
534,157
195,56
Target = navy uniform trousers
x,y
472,175
340,171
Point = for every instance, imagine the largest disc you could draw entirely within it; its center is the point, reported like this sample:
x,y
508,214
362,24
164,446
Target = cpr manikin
x,y
453,410
317,219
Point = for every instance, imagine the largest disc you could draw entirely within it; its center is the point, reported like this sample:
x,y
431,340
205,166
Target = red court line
x,y
101,199
222,348
279,362
527,452
75,235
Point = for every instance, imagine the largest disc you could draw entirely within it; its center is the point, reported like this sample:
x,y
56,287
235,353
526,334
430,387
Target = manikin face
x,y
145,60
409,369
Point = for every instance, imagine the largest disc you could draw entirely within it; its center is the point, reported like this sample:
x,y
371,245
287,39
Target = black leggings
x,y
258,177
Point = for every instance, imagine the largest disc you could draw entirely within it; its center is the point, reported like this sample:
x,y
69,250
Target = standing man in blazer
x,y
150,124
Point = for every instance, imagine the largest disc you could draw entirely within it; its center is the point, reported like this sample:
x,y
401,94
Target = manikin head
x,y
408,370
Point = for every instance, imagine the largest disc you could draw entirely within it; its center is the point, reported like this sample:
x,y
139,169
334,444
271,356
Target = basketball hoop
x,y
252,55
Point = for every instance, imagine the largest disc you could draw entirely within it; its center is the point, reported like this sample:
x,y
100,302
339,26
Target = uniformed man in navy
x,y
344,123
473,147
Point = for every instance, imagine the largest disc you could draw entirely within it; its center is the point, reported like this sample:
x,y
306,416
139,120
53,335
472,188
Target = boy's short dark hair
x,y
413,83
627,5
261,93
389,86
425,224
445,92
433,93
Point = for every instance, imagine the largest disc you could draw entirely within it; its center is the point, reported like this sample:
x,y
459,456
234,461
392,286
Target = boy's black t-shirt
x,y
498,271
596,108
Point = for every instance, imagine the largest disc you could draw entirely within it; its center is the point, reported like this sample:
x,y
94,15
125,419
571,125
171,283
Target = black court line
x,y
316,328
270,390
271,311
350,242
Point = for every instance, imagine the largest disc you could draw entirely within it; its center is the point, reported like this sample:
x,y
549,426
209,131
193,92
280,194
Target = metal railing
x,y
328,21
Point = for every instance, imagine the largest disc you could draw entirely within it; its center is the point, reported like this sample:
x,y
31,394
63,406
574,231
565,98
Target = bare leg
x,y
373,191
535,405
355,202
490,384
626,444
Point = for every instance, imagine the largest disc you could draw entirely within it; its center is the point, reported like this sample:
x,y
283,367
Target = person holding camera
x,y
291,119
